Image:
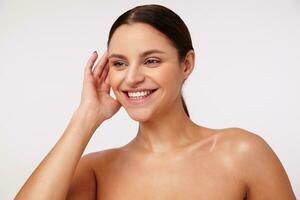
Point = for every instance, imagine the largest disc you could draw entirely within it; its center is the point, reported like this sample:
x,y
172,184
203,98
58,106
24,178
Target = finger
x,y
97,73
103,75
100,65
103,79
106,80
90,63
104,72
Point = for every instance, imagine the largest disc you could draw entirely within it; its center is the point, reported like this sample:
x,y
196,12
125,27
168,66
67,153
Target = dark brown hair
x,y
164,20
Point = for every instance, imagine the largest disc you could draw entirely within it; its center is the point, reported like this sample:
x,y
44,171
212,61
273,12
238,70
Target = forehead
x,y
137,37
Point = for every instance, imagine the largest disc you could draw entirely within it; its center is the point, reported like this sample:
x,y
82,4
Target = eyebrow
x,y
151,51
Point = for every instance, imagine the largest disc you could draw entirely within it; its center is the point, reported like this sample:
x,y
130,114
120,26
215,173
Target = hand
x,y
95,96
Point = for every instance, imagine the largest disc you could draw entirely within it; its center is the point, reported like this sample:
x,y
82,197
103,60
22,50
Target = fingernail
x,y
95,52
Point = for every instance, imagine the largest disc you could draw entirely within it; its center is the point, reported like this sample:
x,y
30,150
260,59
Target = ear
x,y
188,64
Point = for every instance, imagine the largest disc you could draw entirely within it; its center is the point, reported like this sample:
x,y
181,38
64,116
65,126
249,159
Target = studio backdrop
x,y
246,75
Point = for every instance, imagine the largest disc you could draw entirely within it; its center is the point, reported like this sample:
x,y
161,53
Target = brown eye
x,y
118,64
152,61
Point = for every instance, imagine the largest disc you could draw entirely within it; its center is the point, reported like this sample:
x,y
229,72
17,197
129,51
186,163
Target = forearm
x,y
51,179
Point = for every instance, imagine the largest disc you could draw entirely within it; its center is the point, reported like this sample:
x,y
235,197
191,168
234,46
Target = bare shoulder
x,y
101,158
258,165
249,147
243,141
236,141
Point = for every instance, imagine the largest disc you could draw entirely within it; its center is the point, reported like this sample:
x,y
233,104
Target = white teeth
x,y
140,94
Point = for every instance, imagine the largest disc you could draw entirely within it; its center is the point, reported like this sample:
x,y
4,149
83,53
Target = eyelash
x,y
116,64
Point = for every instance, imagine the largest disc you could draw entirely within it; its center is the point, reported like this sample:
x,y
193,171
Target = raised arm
x,y
53,176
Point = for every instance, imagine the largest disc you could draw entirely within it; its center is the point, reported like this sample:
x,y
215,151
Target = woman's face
x,y
144,71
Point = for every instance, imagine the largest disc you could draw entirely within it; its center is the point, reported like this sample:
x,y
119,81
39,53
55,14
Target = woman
x,y
148,58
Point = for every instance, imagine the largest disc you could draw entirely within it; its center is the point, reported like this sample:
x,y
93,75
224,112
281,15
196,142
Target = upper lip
x,y
138,90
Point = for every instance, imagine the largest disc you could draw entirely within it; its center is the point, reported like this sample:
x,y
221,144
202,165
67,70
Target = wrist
x,y
87,121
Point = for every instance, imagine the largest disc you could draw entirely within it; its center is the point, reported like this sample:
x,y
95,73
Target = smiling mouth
x,y
138,95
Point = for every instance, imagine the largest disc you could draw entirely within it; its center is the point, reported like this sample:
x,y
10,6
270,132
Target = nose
x,y
134,76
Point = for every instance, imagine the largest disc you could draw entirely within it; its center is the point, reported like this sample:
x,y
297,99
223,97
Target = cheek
x,y
113,78
170,77
113,81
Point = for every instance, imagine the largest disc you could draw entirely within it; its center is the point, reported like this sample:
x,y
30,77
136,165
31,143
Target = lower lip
x,y
141,100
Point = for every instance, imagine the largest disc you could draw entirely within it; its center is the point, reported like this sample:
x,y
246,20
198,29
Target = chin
x,y
139,115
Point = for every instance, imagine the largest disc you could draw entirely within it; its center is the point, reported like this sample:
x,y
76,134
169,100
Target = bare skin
x,y
171,157
222,165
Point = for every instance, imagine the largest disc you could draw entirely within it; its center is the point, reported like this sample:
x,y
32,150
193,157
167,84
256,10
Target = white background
x,y
246,75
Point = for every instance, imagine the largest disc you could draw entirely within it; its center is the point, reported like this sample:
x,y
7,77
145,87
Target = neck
x,y
168,131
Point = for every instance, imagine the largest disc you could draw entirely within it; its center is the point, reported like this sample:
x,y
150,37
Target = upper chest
x,y
189,175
